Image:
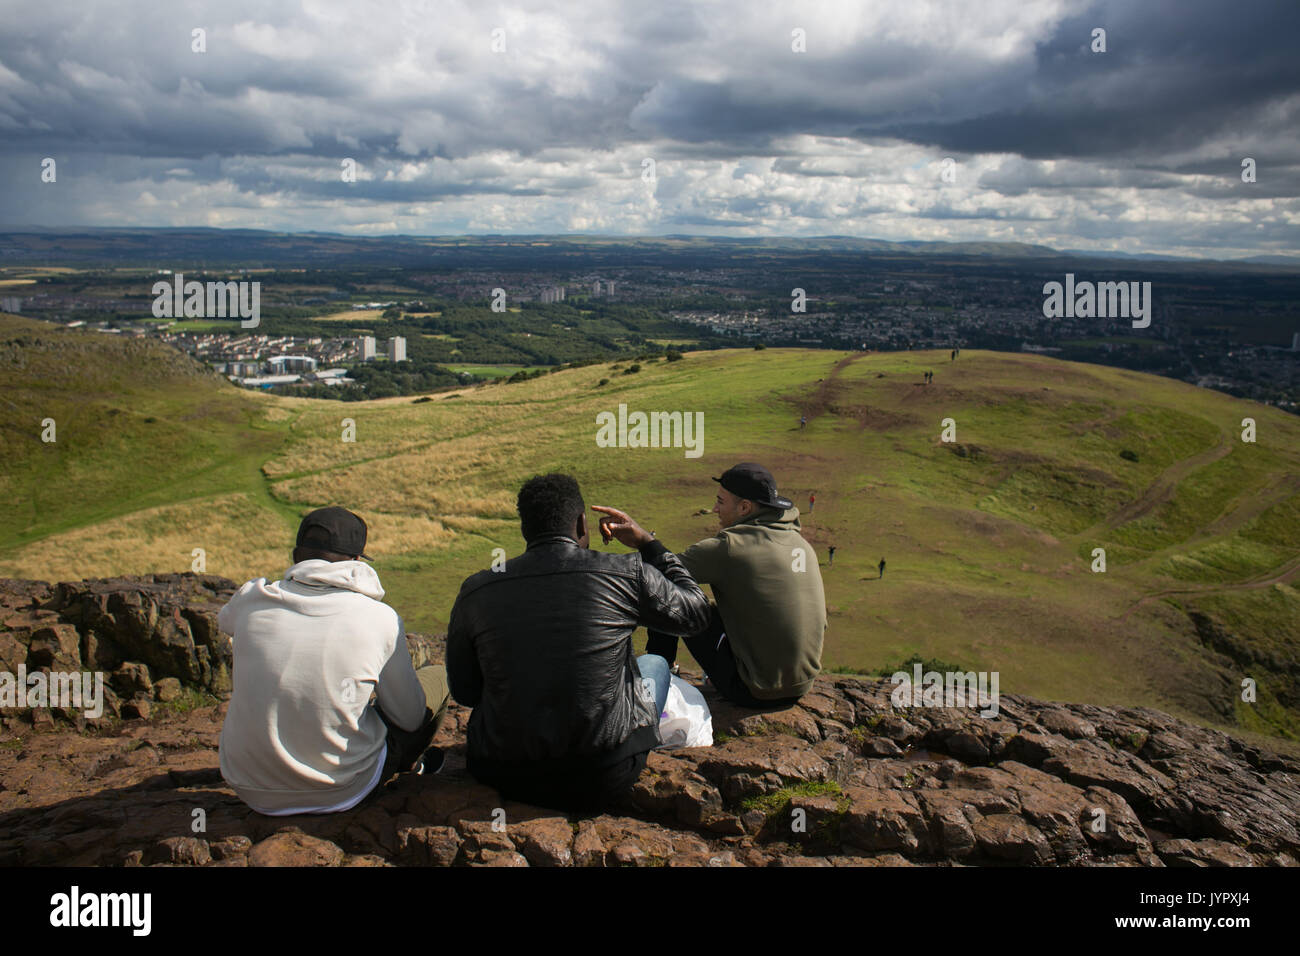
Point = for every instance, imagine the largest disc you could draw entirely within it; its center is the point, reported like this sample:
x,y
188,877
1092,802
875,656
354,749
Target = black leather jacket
x,y
542,651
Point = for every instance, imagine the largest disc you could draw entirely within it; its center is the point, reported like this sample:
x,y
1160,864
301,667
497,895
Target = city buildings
x,y
284,364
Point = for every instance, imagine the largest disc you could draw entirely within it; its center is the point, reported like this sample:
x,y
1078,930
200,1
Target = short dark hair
x,y
549,504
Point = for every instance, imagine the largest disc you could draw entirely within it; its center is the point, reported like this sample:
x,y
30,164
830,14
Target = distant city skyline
x,y
933,121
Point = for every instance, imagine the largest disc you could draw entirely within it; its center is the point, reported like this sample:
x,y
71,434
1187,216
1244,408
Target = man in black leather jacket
x,y
541,649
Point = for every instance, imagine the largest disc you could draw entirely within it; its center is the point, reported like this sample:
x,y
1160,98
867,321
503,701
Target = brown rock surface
x,y
842,779
293,848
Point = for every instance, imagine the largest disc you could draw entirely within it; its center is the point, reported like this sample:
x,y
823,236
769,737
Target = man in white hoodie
x,y
300,735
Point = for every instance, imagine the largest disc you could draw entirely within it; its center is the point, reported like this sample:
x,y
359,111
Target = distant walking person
x,y
812,500
831,552
882,567
803,420
953,356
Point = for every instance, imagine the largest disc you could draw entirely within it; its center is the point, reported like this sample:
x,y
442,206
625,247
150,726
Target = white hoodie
x,y
299,735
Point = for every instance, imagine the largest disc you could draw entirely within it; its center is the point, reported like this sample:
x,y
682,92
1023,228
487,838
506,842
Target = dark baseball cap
x,y
334,529
751,480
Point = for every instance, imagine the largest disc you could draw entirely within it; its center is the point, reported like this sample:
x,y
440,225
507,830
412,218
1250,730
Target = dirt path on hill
x,y
1233,520
1252,508
1288,571
817,402
1162,489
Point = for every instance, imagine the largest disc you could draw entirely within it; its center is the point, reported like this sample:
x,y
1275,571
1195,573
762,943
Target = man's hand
x,y
618,524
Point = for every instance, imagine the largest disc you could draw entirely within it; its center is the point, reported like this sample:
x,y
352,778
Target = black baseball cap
x,y
334,529
751,480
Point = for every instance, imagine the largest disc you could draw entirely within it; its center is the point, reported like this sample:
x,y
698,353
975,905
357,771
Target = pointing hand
x,y
618,524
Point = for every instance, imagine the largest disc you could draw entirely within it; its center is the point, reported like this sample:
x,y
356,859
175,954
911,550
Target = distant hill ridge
x,y
173,246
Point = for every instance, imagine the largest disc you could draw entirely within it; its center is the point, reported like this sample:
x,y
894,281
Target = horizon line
x,y
1278,258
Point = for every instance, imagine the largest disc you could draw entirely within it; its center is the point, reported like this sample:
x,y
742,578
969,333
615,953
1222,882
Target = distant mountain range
x,y
169,247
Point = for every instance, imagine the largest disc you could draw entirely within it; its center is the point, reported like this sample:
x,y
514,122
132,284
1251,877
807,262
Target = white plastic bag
x,y
686,721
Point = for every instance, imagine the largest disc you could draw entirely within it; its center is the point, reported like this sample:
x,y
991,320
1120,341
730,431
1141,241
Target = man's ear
x,y
581,528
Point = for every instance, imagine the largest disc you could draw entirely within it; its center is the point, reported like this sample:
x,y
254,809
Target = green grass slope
x,y
988,538
135,425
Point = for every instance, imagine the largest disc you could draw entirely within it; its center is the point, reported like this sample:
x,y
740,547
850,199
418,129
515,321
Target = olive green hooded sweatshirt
x,y
768,586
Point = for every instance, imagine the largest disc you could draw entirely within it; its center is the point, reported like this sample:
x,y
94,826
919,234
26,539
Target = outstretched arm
x,y
704,560
670,600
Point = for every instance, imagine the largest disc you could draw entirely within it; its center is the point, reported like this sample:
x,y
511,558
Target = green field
x,y
493,371
989,538
230,326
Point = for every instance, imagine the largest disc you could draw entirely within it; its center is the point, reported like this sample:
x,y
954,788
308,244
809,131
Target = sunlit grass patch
x,y
240,540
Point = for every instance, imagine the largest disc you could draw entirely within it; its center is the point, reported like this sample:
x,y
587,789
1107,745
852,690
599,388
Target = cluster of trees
x,y
549,334
385,379
539,334
382,380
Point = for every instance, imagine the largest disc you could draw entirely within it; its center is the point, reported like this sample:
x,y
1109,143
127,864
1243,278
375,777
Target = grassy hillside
x,y
136,425
988,539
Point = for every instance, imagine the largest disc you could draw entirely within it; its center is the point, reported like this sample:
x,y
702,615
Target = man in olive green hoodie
x,y
763,645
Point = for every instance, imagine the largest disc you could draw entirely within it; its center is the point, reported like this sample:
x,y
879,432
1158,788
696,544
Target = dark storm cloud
x,y
1174,75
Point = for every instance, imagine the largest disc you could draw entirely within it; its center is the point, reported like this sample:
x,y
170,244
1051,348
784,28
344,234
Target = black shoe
x,y
431,762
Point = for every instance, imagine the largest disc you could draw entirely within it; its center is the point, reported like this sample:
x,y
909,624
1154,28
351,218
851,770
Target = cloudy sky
x,y
755,118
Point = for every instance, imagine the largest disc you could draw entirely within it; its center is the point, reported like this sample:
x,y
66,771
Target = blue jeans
x,y
711,649
654,670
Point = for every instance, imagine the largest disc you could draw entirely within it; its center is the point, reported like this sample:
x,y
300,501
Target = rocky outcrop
x,y
844,778
150,636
